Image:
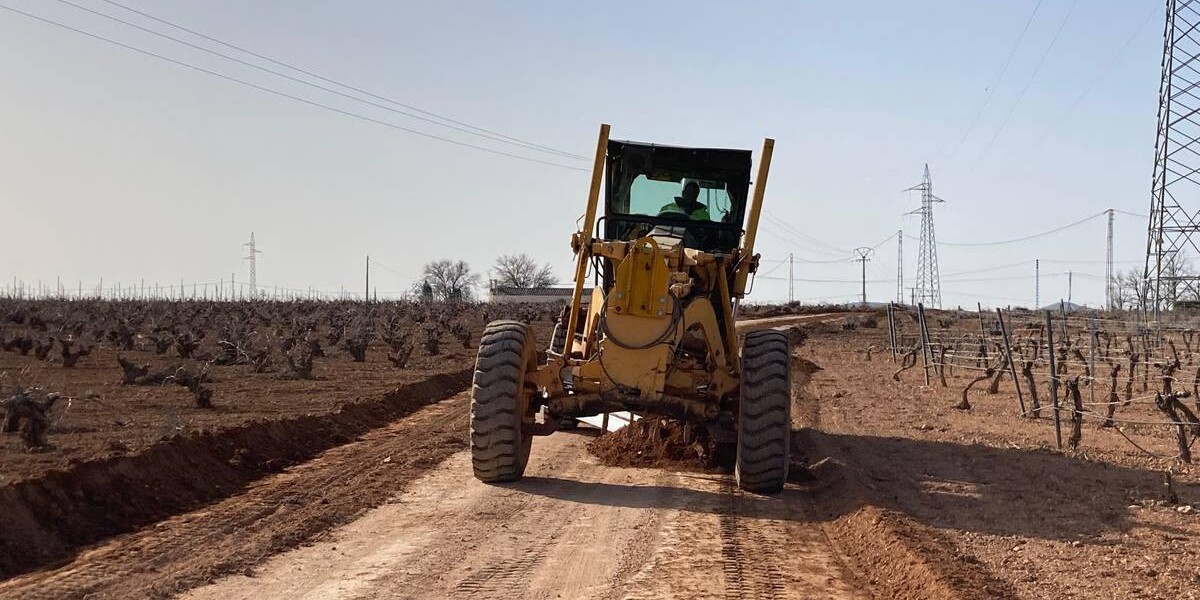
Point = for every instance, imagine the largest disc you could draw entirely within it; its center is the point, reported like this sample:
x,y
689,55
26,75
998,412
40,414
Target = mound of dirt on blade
x,y
655,443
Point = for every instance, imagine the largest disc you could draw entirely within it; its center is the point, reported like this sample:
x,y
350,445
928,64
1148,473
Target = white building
x,y
510,294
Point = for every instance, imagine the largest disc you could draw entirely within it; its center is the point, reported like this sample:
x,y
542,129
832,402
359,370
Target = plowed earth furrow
x,y
272,515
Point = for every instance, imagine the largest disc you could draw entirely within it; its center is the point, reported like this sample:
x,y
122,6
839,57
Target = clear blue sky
x,y
120,165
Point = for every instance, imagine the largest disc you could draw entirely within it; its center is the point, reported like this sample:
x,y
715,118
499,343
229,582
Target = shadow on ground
x,y
965,487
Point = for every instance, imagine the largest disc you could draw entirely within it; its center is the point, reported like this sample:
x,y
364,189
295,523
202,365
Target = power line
x,y
787,226
1130,214
1021,96
287,95
989,269
1100,75
773,269
1092,262
992,88
792,242
1024,238
889,280
490,134
1019,277
795,239
389,269
885,240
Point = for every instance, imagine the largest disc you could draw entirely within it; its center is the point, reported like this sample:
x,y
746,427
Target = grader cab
x,y
669,261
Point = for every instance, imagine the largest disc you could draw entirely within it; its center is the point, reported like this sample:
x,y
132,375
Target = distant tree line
x,y
453,280
1133,291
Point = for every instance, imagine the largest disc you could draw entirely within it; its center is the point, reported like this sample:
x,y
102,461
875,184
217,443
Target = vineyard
x,y
228,450
1073,370
131,394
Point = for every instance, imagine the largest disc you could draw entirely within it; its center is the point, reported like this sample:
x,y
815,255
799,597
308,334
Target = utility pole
x,y
1037,284
863,254
367,289
1070,280
900,267
253,258
1109,278
791,278
929,283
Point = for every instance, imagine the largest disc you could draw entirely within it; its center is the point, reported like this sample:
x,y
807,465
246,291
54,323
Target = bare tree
x,y
448,280
1175,267
1131,290
1135,293
520,270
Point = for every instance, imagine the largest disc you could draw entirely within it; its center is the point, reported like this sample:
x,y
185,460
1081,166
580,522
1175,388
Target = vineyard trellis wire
x,y
1090,366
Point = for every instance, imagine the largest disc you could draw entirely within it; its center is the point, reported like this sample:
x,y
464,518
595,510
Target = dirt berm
x,y
46,519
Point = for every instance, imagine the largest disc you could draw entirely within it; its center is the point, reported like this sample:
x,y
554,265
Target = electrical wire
x,y
1021,96
1019,239
988,269
490,134
791,228
1100,75
287,95
376,263
991,89
885,240
773,269
791,241
1130,214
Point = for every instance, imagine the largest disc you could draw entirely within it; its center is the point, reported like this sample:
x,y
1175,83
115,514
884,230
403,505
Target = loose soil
x,y
47,518
652,442
105,419
895,495
990,486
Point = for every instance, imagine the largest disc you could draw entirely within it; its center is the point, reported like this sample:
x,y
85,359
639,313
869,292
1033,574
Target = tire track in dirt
x,y
562,531
505,579
750,568
275,514
572,528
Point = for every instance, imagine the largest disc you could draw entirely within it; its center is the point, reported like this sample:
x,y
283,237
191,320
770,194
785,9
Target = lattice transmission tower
x,y
253,258
929,283
1174,228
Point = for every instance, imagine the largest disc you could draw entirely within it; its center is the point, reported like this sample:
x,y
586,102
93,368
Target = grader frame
x,y
658,336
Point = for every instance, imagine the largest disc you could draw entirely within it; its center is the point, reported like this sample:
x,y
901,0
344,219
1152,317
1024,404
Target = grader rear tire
x,y
764,413
500,402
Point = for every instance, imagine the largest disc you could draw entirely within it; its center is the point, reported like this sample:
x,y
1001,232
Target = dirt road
x,y
571,529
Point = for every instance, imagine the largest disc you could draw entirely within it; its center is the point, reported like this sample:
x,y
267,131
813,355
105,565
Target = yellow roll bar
x,y
583,241
760,189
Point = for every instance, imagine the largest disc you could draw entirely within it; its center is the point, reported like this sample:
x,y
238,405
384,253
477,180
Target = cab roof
x,y
642,156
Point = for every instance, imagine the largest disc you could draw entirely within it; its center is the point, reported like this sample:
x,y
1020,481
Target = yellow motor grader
x,y
668,261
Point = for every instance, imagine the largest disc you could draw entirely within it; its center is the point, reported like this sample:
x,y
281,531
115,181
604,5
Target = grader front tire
x,y
500,401
765,413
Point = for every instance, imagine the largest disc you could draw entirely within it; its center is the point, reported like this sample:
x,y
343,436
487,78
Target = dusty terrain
x,y
894,495
115,419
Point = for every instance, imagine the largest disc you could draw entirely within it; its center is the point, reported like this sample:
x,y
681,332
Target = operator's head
x,y
691,191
